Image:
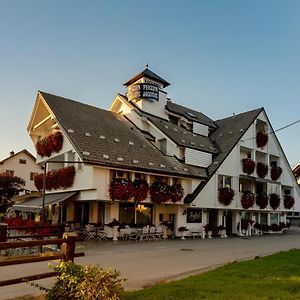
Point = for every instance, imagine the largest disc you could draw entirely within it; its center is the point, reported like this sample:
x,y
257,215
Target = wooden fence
x,y
66,253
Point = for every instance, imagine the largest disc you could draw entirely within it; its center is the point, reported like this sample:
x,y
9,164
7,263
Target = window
x,y
10,172
32,175
287,192
140,176
22,161
120,174
173,119
224,181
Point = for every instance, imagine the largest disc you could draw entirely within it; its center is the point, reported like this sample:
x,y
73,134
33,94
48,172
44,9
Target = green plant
x,y
84,283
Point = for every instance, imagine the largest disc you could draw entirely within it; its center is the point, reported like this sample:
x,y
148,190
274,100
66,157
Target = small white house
x,y
195,170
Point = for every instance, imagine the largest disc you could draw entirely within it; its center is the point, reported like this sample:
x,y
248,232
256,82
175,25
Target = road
x,y
146,263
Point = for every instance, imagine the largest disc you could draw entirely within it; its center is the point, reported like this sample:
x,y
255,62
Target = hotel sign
x,y
147,91
194,215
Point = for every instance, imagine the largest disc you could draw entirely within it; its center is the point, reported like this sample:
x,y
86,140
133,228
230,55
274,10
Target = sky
x,y
221,57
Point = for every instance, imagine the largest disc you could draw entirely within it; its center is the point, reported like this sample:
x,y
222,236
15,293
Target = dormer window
x,y
173,119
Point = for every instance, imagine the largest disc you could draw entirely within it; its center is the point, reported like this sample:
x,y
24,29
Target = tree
x,y
10,186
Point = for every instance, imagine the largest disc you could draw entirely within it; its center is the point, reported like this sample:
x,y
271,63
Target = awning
x,y
35,205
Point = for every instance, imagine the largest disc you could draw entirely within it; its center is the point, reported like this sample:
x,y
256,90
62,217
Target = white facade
x,y
23,165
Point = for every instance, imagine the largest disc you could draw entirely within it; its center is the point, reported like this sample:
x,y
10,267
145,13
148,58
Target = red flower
x,y
288,201
121,189
275,172
141,189
225,195
177,192
56,179
261,139
274,201
262,200
248,166
49,144
247,200
261,170
160,192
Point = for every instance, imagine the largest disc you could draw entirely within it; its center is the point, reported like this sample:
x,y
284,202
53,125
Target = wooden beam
x,y
43,121
27,278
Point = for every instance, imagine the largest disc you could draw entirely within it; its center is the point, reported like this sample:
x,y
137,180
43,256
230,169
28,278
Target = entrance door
x,y
228,223
213,220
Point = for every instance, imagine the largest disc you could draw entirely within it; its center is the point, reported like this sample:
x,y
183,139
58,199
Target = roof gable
x,y
109,139
148,74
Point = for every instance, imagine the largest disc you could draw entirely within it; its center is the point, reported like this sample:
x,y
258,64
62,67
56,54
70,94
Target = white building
x,y
21,164
147,136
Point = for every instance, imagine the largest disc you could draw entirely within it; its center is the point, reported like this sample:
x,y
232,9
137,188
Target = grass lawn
x,y
272,277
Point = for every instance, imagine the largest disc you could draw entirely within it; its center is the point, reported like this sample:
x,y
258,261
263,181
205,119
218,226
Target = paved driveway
x,y
146,263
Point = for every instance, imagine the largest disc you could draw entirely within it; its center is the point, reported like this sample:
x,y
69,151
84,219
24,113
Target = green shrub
x,y
84,283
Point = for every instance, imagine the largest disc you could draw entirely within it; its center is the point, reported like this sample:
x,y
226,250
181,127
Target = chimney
x,y
11,153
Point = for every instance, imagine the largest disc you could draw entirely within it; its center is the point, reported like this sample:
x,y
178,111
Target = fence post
x,y
68,248
3,232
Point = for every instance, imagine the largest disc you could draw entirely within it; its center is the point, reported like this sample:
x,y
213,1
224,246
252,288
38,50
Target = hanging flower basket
x,y
121,189
56,179
225,195
247,200
262,200
274,201
261,170
275,172
248,166
160,192
261,139
176,192
288,202
48,145
141,189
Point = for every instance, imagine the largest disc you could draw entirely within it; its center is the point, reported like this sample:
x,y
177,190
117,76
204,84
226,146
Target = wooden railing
x,y
66,253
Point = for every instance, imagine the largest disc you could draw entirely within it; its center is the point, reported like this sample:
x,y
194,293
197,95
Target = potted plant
x,y
262,200
114,224
275,172
208,229
182,230
288,201
261,139
247,199
257,228
274,201
261,170
248,166
222,231
225,195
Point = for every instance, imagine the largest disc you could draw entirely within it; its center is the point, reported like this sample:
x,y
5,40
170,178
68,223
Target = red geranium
x,y
262,200
288,201
225,195
275,172
176,192
160,192
261,139
261,170
56,179
274,201
247,200
248,165
48,145
121,189
141,189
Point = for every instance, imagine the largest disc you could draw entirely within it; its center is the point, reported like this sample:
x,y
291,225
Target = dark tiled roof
x,y
148,74
191,115
229,132
100,133
183,137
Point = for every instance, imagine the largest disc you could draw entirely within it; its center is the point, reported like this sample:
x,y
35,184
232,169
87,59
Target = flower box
x,y
247,199
261,139
275,172
225,195
48,145
248,166
262,200
288,202
261,170
274,201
